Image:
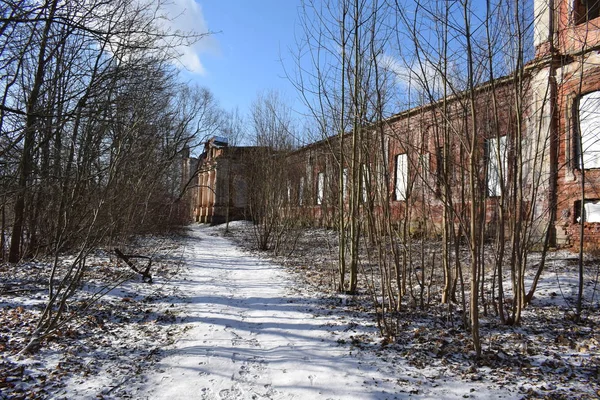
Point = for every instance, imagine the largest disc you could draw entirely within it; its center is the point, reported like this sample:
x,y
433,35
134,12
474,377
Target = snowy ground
x,y
220,322
251,337
548,356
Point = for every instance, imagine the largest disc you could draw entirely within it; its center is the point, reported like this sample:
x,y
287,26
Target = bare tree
x,y
92,122
272,131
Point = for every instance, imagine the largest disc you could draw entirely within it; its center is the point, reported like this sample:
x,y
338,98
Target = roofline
x,y
426,107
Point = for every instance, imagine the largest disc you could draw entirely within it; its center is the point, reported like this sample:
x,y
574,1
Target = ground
x,y
220,322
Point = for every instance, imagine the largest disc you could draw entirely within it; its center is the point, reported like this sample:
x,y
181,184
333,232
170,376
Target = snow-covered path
x,y
250,338
250,334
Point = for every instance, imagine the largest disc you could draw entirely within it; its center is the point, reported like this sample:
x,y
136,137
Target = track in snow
x,y
249,338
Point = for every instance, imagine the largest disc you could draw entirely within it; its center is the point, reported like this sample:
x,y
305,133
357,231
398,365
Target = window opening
x,y
585,10
345,184
301,191
496,163
401,184
320,187
591,210
587,138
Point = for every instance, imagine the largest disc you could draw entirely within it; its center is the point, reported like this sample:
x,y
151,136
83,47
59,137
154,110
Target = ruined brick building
x,y
546,118
216,183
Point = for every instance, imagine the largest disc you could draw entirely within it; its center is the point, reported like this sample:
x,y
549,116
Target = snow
x,y
222,322
249,336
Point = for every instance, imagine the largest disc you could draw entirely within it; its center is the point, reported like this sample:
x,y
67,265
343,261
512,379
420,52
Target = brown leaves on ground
x,y
123,332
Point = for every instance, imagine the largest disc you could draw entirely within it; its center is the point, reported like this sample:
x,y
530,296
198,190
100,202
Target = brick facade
x,y
219,189
536,110
575,57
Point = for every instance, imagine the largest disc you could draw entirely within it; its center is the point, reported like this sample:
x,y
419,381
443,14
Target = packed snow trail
x,y
250,338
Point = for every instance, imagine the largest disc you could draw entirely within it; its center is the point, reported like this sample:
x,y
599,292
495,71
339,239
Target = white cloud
x,y
422,76
408,75
187,16
391,64
415,75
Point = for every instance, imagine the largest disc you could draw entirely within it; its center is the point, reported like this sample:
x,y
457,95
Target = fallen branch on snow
x,y
146,277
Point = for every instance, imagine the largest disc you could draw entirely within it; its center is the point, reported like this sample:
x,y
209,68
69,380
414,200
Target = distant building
x,y
558,136
217,182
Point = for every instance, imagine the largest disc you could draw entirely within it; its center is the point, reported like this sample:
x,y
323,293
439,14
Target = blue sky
x,y
245,56
254,44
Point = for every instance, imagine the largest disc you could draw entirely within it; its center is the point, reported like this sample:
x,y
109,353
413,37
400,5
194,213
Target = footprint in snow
x,y
233,393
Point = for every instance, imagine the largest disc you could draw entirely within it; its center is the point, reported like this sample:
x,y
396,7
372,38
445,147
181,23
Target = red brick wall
x,y
414,132
569,178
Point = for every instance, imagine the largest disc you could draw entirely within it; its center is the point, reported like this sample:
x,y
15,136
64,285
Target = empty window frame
x,y
301,191
424,167
439,170
591,210
320,187
345,184
585,10
496,165
586,137
401,175
366,182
